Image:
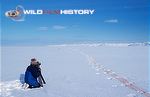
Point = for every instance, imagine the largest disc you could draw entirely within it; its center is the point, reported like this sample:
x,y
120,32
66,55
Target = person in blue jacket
x,y
33,76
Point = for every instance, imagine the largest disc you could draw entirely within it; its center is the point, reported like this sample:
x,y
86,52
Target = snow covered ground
x,y
78,70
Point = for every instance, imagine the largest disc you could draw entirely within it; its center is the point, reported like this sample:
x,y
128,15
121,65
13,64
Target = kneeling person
x,y
33,76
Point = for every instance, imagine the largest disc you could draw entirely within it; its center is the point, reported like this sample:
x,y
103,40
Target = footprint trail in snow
x,y
98,67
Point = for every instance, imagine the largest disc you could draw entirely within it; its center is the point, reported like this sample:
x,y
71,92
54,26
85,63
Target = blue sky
x,y
113,21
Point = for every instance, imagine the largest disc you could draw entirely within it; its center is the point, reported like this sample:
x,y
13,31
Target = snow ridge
x,y
8,87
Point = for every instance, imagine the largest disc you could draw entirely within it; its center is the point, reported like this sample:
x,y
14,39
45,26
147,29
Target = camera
x,y
38,63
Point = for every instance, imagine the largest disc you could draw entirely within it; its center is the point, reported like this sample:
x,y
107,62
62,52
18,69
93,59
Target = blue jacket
x,y
31,75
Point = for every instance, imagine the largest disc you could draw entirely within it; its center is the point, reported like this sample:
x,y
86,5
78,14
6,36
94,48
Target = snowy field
x,y
79,70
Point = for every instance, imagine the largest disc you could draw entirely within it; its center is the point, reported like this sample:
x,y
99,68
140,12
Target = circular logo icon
x,y
17,14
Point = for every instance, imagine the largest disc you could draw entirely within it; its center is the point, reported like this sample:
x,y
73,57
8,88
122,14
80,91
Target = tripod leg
x,y
40,81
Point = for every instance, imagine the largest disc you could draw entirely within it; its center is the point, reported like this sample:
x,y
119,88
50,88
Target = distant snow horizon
x,y
107,44
91,44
